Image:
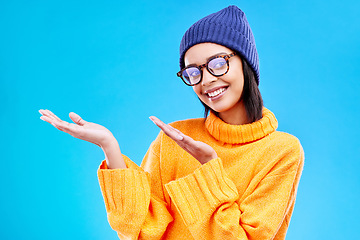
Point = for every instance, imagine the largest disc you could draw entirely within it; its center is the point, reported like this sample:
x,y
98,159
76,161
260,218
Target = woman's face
x,y
222,94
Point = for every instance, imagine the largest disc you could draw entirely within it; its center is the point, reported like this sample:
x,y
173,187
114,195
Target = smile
x,y
216,93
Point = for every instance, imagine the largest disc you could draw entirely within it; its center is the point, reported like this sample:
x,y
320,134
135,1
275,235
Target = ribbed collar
x,y
238,134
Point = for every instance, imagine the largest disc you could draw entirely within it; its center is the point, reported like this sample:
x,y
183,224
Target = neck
x,y
236,115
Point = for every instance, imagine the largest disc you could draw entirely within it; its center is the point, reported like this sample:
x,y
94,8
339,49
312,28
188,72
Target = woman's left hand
x,y
199,150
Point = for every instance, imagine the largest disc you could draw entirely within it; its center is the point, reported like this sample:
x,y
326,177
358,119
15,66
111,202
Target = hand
x,y
199,150
90,132
82,129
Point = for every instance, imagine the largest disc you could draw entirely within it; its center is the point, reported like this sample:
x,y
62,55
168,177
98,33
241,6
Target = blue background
x,y
114,63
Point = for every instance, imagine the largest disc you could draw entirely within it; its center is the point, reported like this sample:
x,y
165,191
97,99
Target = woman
x,y
228,176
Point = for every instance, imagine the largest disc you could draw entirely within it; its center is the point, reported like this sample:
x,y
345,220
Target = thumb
x,y
76,119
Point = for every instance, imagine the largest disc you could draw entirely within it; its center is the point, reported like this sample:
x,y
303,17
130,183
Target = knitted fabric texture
x,y
247,193
228,27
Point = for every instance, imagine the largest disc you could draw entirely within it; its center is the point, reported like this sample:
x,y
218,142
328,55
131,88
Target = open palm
x,y
199,150
81,129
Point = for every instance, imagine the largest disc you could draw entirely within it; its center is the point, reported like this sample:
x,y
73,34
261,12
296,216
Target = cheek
x,y
236,79
240,84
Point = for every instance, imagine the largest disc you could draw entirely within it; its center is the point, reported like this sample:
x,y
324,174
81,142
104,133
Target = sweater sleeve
x,y
136,210
211,207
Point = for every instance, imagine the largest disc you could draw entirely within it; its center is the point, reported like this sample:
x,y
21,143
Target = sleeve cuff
x,y
200,193
124,189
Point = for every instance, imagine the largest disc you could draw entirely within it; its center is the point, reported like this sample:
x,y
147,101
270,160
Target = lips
x,y
215,93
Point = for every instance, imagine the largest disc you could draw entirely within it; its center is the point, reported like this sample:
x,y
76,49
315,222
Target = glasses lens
x,y
218,66
191,75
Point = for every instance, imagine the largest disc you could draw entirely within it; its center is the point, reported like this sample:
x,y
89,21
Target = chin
x,y
220,109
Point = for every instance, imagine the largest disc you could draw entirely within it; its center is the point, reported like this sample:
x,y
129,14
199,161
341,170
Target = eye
x,y
194,73
217,63
191,72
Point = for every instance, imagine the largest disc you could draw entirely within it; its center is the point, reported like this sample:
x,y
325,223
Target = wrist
x,y
108,142
214,156
113,154
208,158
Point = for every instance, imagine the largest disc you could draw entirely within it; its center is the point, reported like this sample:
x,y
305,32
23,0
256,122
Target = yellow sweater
x,y
247,193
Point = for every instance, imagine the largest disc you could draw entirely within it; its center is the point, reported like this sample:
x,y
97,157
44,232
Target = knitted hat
x,y
228,27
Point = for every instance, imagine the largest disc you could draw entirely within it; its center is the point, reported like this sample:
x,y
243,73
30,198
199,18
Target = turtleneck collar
x,y
240,134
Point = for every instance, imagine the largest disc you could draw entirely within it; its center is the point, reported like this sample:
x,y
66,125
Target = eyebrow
x,y
207,59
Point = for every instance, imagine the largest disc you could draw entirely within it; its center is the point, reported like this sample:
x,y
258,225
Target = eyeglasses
x,y
216,66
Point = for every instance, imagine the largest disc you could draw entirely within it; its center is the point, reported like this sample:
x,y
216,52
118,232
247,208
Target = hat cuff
x,y
222,35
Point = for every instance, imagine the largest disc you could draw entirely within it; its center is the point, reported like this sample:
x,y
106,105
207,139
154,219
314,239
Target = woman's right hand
x,y
90,132
82,129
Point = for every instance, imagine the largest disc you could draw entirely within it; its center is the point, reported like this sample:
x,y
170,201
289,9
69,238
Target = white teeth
x,y
215,93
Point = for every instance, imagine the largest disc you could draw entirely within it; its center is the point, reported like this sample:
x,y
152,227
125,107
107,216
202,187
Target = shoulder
x,y
285,147
284,139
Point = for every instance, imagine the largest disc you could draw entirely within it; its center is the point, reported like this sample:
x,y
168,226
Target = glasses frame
x,y
200,67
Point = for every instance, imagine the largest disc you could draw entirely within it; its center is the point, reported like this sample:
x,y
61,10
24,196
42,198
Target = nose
x,y
207,78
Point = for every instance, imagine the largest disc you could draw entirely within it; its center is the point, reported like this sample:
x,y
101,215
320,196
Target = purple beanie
x,y
228,27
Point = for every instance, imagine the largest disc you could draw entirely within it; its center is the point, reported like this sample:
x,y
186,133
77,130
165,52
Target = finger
x,y
77,119
70,128
195,148
176,130
45,113
67,127
166,129
49,120
57,122
188,143
49,114
159,123
186,139
52,114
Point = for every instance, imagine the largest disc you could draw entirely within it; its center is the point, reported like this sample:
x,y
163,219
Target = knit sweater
x,y
248,192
